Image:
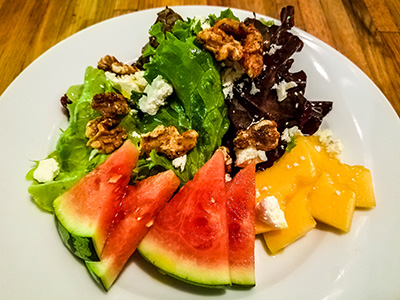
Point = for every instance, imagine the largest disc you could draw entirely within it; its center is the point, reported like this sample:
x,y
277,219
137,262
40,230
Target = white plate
x,y
363,264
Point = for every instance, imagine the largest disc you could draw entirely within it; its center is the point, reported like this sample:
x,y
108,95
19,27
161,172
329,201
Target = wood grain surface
x,y
365,31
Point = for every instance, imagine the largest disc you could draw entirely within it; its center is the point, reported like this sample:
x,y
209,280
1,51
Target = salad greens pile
x,y
197,102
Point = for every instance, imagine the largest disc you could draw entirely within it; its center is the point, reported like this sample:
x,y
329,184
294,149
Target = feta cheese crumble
x,y
228,177
156,93
331,144
249,153
289,134
282,87
229,76
273,49
180,162
254,90
269,212
136,135
203,21
47,170
125,84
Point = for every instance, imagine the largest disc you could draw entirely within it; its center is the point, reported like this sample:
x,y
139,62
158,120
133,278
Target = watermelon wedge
x,y
140,205
189,238
241,193
84,213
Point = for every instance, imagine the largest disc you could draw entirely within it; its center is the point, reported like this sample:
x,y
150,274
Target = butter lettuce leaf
x,y
74,158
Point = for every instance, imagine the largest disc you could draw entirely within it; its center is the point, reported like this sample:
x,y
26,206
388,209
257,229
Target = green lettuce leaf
x,y
197,102
227,13
74,158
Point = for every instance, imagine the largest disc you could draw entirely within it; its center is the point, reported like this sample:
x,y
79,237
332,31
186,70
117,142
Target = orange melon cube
x,y
358,178
360,181
298,218
332,203
281,180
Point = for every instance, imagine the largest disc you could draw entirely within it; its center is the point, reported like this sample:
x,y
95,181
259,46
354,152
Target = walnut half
x,y
168,141
104,135
110,105
263,135
235,41
252,143
111,64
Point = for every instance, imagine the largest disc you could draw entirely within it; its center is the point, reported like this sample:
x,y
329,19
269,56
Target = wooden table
x,y
365,31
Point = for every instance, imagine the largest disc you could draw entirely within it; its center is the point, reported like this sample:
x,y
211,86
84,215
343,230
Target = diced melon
x,y
299,219
357,177
332,203
335,189
361,184
294,168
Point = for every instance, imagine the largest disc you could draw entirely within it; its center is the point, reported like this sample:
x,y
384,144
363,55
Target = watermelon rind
x,y
101,273
189,238
84,213
166,264
134,218
81,246
245,279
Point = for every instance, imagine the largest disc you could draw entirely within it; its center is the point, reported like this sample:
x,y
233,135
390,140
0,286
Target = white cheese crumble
x,y
254,90
273,49
228,177
282,87
331,144
229,76
249,153
136,135
156,93
125,84
180,162
289,133
47,170
269,212
204,22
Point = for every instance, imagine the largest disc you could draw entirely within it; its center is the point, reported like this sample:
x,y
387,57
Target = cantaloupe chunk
x,y
332,203
361,184
335,190
298,218
294,168
357,177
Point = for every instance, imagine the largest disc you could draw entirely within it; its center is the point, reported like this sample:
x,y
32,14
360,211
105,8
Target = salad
x,y
204,90
197,102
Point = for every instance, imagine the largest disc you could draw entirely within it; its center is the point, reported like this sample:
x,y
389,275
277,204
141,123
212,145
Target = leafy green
x,y
74,158
268,23
291,144
197,102
227,13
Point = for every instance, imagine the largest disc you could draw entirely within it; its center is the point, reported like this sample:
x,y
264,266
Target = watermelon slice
x,y
189,238
85,212
140,205
241,195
